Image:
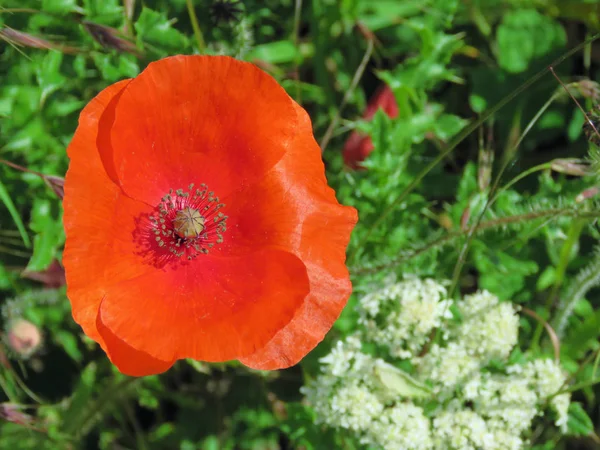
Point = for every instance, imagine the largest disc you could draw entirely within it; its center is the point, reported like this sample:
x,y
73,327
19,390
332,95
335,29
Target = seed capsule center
x,y
188,223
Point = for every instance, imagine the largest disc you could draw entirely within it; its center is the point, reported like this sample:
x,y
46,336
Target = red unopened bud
x,y
358,147
11,413
588,193
24,338
52,277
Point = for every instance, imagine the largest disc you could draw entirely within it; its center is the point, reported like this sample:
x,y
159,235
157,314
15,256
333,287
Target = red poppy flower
x,y
358,146
199,222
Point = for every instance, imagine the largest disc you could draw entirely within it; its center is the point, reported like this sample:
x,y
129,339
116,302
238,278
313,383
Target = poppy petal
x,y
212,309
128,360
303,217
91,195
163,137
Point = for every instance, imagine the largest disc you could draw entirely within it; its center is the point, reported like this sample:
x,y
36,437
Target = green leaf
x,y
400,382
385,13
49,234
546,279
69,343
48,74
525,35
500,272
579,423
583,336
5,197
448,125
155,28
278,52
59,6
80,400
115,67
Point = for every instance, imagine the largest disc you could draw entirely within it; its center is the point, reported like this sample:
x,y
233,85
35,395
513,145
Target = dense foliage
x,y
483,185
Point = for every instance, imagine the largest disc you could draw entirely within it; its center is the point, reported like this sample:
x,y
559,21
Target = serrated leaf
x,y
579,423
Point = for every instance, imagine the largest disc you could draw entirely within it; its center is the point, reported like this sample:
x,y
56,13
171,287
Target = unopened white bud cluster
x,y
468,406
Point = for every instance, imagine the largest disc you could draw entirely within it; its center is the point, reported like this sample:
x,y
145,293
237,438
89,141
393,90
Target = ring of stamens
x,y
188,223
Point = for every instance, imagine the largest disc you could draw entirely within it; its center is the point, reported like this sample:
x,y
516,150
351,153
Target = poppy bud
x,y
52,276
358,146
588,193
24,338
110,38
11,413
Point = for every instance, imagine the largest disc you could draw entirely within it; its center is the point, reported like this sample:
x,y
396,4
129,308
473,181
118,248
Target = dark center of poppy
x,y
188,223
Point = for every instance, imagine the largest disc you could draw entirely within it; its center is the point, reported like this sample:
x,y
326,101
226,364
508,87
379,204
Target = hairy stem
x,y
483,226
586,279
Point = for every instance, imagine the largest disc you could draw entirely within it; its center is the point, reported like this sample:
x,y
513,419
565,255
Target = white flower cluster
x,y
401,316
488,330
470,407
348,395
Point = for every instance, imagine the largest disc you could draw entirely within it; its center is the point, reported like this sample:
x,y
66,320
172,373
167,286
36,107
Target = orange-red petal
x,y
89,193
212,120
129,360
293,209
89,203
210,309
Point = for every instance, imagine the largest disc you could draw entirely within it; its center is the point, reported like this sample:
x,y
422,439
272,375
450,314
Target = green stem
x,y
577,387
196,26
507,160
7,388
482,226
137,429
538,168
565,253
297,16
357,76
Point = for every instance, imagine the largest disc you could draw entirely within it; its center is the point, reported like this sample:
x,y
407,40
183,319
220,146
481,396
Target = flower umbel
x,y
468,403
202,228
